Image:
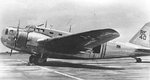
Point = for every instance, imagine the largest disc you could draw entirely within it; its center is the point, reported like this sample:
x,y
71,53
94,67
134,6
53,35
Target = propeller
x,y
70,28
51,26
46,24
40,25
43,24
16,37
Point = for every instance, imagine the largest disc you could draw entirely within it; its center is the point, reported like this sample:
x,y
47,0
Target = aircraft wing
x,y
143,50
80,41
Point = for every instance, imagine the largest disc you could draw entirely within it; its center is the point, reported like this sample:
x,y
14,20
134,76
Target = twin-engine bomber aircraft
x,y
43,43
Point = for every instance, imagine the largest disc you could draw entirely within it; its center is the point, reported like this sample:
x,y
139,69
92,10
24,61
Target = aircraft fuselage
x,y
28,41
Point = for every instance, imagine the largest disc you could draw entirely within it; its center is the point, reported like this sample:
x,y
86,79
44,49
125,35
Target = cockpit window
x,y
6,32
11,31
51,32
41,30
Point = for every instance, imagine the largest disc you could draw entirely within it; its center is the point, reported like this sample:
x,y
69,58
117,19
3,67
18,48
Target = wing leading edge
x,y
80,41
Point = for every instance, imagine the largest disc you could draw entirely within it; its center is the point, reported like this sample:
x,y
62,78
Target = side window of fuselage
x,y
51,32
60,34
11,31
36,29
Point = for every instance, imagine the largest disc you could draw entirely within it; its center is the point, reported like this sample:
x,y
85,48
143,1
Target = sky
x,y
125,16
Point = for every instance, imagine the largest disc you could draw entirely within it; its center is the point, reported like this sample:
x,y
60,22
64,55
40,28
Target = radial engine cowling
x,y
22,39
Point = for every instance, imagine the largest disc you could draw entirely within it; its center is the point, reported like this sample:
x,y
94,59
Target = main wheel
x,y
40,61
36,59
32,59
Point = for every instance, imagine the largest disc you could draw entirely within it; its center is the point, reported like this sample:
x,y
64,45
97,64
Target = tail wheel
x,y
36,59
138,60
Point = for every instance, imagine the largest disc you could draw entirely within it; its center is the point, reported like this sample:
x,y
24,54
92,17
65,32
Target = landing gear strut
x,y
36,59
138,60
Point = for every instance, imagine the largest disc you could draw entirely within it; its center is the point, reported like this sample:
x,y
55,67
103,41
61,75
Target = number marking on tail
x,y
142,34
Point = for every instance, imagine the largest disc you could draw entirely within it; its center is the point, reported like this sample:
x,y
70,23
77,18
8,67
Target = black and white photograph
x,y
74,40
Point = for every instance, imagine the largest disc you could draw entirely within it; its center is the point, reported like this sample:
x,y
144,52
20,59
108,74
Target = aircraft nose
x,y
2,36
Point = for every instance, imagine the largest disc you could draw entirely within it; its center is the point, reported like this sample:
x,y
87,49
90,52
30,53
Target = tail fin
x,y
142,37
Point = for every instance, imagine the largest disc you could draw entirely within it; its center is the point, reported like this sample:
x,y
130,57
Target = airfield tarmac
x,y
16,67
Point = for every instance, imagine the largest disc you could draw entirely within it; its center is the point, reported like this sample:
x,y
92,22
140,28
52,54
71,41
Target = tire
x,y
37,60
32,59
138,60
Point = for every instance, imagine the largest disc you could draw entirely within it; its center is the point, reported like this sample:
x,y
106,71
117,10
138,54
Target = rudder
x,y
142,36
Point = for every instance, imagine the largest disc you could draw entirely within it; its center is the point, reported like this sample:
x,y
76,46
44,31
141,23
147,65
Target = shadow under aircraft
x,y
77,65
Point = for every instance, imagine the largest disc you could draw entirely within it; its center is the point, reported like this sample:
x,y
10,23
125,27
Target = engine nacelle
x,y
22,39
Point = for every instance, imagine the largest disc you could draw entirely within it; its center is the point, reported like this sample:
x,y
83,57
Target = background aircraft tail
x,y
142,37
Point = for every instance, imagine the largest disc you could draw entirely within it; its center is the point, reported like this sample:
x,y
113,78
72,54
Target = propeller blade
x,y
18,29
70,29
16,37
46,24
51,26
40,25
